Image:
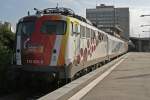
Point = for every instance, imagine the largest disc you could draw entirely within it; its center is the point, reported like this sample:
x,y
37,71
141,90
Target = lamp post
x,y
144,25
114,19
148,39
148,36
144,15
146,31
139,44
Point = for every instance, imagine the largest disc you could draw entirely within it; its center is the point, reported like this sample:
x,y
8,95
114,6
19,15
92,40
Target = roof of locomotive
x,y
60,11
63,12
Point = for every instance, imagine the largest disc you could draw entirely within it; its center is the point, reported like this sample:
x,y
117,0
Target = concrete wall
x,y
141,44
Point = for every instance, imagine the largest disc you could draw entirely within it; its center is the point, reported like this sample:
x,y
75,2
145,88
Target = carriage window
x,y
105,38
87,32
72,28
82,30
102,37
54,27
99,36
76,28
92,33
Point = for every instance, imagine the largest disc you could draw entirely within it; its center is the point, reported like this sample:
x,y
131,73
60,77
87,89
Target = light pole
x,y
139,44
148,39
148,36
146,31
144,15
144,25
114,19
114,15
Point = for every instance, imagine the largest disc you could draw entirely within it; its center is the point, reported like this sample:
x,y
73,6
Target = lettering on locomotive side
x,y
34,61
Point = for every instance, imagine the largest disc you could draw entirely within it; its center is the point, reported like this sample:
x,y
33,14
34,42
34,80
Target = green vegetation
x,y
7,39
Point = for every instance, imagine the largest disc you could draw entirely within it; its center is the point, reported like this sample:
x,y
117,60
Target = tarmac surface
x,y
130,80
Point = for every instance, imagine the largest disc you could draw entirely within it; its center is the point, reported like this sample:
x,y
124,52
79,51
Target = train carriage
x,y
58,43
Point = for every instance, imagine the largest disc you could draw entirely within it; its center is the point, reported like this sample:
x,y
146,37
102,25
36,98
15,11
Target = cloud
x,y
136,9
66,1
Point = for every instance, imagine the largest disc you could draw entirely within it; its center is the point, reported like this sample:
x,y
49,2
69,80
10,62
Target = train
x,y
57,43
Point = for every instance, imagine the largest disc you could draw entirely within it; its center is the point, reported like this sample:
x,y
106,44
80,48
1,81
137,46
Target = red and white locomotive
x,y
57,42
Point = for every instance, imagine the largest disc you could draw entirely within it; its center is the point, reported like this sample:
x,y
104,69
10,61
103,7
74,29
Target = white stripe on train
x,y
18,54
54,57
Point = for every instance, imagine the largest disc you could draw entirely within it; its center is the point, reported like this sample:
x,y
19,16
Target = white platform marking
x,y
91,85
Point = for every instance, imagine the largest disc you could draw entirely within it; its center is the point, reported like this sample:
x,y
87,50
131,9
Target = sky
x,y
12,10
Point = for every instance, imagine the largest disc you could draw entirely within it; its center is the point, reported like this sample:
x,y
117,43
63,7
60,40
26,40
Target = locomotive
x,y
55,42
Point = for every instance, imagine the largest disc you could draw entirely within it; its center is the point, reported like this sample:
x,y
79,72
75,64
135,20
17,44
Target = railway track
x,y
33,92
29,93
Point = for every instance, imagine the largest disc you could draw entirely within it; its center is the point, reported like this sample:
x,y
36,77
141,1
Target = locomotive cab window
x,y
25,28
54,27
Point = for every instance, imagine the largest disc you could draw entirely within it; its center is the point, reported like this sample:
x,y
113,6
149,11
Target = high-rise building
x,y
108,18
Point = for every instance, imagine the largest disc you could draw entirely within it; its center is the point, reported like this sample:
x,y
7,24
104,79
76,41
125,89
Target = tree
x,y
7,39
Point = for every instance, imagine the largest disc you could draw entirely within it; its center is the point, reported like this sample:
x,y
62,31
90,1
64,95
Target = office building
x,y
109,18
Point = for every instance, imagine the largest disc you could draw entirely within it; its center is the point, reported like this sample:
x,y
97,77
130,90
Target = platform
x,y
125,78
130,80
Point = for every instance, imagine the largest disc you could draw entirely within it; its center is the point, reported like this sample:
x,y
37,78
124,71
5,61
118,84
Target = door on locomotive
x,y
24,31
76,41
38,40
